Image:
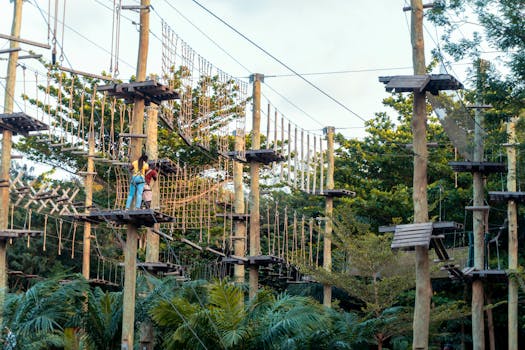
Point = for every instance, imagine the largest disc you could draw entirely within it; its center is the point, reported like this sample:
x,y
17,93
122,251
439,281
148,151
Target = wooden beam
x,y
24,41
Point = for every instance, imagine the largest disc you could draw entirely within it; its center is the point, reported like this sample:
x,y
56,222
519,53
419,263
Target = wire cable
x,y
281,62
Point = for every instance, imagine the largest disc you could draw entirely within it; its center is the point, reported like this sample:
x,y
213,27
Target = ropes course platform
x,y
159,267
478,167
136,217
149,90
518,197
8,234
438,226
233,216
104,284
335,193
470,274
263,156
432,83
256,260
425,234
20,123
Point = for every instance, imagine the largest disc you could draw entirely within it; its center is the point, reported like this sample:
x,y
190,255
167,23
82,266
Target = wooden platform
x,y
257,260
104,284
149,90
8,234
412,235
263,156
233,216
335,193
20,123
432,83
518,197
439,226
488,275
136,217
478,167
156,267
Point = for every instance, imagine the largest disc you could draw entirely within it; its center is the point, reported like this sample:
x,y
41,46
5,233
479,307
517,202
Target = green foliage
x,y
224,320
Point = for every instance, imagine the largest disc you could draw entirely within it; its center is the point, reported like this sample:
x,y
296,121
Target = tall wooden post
x,y
88,202
7,137
419,129
255,217
478,226
130,250
239,240
329,209
152,151
147,337
512,215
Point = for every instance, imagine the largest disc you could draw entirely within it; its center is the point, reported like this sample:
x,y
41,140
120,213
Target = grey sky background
x,y
365,39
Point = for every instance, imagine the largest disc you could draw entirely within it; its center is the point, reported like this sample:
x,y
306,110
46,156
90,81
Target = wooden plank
x,y
190,243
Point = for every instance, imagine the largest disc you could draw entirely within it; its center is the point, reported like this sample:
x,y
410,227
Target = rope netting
x,y
212,102
191,195
292,237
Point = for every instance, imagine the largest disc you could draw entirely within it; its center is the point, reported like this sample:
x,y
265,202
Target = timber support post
x,y
512,215
329,210
152,151
130,249
419,129
7,139
478,225
239,241
255,215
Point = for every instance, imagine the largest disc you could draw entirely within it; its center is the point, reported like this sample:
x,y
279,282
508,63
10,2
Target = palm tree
x,y
221,319
40,315
103,321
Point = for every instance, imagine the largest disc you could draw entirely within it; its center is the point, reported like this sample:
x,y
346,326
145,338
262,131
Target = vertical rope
x,y
303,246
45,233
276,230
12,215
285,240
289,153
268,221
301,169
294,238
29,227
73,240
315,166
296,156
307,163
321,166
311,227
60,237
268,127
318,244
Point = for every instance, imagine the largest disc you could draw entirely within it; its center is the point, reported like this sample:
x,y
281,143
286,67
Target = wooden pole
x,y
152,151
147,338
419,128
255,219
512,214
130,250
7,137
88,202
478,300
239,242
329,208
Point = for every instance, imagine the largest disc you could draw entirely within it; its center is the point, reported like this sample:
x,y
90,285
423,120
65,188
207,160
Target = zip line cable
x,y
205,35
281,62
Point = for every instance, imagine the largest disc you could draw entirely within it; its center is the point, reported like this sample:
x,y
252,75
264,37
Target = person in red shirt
x,y
147,194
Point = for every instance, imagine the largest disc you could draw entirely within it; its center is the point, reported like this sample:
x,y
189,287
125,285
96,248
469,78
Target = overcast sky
x,y
367,38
